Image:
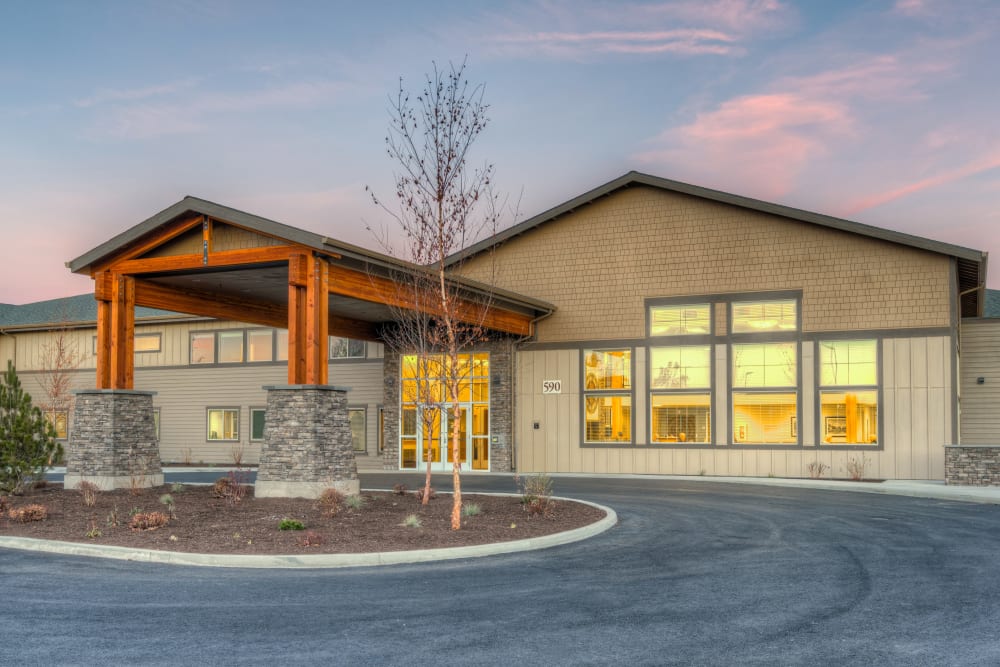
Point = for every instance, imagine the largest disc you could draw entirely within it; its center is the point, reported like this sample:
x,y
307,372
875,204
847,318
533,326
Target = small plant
x,y
471,509
186,456
238,476
355,502
856,467
177,487
817,469
135,510
330,501
310,539
148,520
168,500
28,513
291,524
411,521
419,494
399,489
701,473
137,466
536,494
3,504
113,521
88,490
93,532
222,487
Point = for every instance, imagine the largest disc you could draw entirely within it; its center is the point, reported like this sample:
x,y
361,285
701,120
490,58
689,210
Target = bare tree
x,y
59,358
442,206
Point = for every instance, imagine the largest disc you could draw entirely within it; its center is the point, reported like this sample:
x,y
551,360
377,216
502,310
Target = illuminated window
x,y
764,365
681,417
346,348
607,396
849,395
260,345
677,414
679,320
765,418
680,367
60,422
230,347
223,424
281,345
764,316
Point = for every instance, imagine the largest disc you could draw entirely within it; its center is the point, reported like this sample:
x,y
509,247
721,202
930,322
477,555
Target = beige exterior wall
x,y
915,412
185,392
599,263
980,403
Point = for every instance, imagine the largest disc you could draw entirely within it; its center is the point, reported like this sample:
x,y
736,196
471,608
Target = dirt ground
x,y
200,522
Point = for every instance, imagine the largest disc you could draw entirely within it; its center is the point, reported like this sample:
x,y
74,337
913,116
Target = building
x,y
654,327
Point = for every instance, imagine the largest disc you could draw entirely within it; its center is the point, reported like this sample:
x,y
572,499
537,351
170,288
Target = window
x,y
223,424
346,348
762,415
764,365
848,397
357,418
680,397
680,320
230,347
607,396
260,345
203,347
257,423
156,424
764,316
281,345
60,422
149,342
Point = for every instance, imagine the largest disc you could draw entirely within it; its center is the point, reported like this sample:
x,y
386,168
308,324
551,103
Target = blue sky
x,y
881,112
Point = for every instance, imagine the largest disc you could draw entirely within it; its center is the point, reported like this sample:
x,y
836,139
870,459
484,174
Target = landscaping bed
x,y
198,521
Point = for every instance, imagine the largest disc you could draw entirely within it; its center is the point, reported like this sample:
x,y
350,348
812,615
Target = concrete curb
x,y
319,561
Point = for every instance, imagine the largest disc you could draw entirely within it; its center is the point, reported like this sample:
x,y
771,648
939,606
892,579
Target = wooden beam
x,y
193,262
317,321
103,341
148,242
238,308
376,289
122,347
296,318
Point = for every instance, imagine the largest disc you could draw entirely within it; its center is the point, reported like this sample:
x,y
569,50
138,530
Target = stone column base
x,y
113,440
307,443
972,465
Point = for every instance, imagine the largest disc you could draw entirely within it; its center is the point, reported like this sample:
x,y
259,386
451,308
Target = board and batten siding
x,y
980,403
915,414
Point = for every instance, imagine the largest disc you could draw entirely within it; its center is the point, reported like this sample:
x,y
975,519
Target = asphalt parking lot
x,y
694,573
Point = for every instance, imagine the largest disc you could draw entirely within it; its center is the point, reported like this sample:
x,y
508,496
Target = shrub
x,y
93,532
113,521
28,513
471,509
536,494
168,500
27,437
148,520
355,502
399,489
89,491
222,488
291,524
330,501
419,494
411,521
310,539
177,487
856,467
817,469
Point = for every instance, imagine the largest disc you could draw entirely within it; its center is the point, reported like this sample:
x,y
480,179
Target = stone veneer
x,y
307,443
113,440
501,404
972,465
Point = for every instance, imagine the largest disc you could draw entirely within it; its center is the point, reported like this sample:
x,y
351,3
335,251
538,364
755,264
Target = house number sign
x,y
551,386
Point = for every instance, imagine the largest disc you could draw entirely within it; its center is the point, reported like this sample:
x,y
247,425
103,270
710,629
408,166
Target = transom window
x,y
682,320
763,316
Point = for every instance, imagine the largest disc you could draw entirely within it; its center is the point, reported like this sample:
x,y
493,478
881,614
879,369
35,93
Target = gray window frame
x,y
208,422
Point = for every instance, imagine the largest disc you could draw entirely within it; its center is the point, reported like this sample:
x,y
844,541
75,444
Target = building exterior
x,y
675,330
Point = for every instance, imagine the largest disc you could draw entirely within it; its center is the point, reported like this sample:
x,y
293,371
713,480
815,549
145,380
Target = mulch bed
x,y
204,523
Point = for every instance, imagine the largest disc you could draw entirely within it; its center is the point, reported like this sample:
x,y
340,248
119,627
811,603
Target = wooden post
x,y
317,321
103,294
298,279
122,331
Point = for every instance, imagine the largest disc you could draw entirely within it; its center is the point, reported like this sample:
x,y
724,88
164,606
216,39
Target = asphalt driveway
x,y
694,574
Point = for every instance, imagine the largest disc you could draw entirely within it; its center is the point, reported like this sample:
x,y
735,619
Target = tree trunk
x,y
456,474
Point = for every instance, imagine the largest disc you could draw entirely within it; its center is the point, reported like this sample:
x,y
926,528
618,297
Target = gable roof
x,y
971,263
70,311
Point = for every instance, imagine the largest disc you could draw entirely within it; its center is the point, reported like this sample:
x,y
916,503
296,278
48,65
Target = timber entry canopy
x,y
201,258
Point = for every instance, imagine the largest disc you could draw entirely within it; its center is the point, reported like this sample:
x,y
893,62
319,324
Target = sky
x,y
883,112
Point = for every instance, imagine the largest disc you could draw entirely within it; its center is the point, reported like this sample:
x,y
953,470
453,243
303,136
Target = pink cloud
x,y
991,161
761,139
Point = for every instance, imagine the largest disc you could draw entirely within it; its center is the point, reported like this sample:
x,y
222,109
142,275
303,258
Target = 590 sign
x,y
551,386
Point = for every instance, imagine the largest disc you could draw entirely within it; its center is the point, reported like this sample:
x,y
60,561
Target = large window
x,y
223,424
680,394
346,348
764,375
260,345
607,396
848,395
